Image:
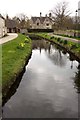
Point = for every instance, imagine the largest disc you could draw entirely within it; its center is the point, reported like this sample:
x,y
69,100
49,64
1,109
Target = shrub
x,y
65,42
70,36
74,46
61,41
58,39
51,37
67,36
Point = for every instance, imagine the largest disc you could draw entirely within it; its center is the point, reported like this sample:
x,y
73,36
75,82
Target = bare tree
x,y
21,19
22,16
61,14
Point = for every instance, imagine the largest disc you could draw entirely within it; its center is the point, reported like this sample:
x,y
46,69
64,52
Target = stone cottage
x,y
3,29
11,26
41,22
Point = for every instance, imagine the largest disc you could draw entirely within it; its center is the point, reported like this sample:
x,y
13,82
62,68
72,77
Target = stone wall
x,y
68,32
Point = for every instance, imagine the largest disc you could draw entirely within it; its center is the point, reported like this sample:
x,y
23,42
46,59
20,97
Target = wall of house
x,y
3,29
46,24
23,31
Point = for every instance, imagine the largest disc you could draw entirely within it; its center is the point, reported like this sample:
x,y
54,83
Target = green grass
x,y
78,38
0,75
0,65
14,58
73,47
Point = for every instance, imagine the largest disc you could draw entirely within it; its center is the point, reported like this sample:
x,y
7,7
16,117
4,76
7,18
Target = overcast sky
x,y
33,7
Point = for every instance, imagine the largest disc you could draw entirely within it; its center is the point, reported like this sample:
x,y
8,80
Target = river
x,y
49,87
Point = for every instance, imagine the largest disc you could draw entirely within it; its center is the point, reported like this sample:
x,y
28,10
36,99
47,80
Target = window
x,y
46,19
47,24
37,24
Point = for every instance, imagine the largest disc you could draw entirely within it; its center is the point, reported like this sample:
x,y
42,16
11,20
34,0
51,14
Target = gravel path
x,y
65,38
10,37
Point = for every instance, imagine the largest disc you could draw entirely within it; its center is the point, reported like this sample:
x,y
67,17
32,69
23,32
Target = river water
x,y
49,87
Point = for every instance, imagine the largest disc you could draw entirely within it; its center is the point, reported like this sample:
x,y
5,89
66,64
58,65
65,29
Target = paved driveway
x,y
65,38
10,37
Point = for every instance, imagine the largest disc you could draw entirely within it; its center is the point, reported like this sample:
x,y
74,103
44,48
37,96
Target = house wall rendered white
x,y
3,29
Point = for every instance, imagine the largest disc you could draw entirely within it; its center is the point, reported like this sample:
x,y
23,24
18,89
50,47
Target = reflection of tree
x,y
72,58
55,53
41,44
77,79
56,56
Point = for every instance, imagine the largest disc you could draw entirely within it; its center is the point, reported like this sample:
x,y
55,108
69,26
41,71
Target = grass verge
x,y
15,53
70,46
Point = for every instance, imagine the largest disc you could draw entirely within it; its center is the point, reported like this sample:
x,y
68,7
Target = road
x,y
65,38
10,37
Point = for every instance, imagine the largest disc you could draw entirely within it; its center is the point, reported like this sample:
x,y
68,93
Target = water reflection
x,y
59,57
47,86
77,79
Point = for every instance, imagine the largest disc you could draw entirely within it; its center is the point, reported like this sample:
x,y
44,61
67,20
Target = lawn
x,y
15,53
0,75
0,65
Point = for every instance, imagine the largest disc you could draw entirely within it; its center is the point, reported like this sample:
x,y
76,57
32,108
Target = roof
x,y
2,17
42,19
10,23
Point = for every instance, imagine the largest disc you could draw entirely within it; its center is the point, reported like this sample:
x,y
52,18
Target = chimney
x,y
7,17
46,15
40,14
50,15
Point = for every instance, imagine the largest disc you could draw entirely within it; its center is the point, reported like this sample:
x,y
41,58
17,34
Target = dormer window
x,y
37,24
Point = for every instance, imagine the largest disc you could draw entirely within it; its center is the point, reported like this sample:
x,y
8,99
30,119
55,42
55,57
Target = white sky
x,y
32,7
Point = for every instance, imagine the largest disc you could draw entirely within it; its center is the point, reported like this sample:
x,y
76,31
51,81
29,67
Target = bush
x,y
52,37
65,42
70,36
58,39
74,46
61,41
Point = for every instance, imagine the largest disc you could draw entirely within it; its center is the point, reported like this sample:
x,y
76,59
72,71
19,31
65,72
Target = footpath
x,y
10,37
65,38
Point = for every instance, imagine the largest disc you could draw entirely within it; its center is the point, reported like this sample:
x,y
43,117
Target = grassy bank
x,y
71,46
15,53
78,38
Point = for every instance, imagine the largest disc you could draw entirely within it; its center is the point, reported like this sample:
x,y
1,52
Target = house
x,y
23,30
41,22
11,26
3,29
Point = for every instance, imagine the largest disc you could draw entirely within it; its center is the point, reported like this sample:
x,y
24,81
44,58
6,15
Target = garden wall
x,y
68,32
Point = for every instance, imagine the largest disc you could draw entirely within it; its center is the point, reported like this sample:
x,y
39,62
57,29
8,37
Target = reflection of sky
x,y
47,88
54,81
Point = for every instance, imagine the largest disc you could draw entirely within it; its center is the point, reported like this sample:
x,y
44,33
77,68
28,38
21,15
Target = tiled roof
x,y
2,17
42,19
